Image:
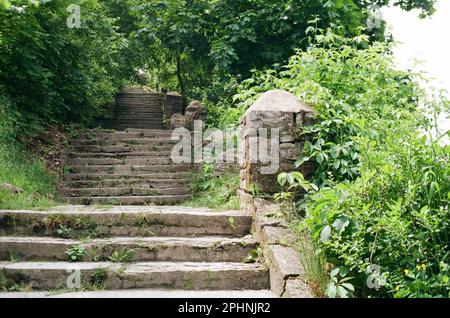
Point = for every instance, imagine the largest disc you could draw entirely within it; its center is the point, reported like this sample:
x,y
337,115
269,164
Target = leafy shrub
x,y
76,253
381,214
55,74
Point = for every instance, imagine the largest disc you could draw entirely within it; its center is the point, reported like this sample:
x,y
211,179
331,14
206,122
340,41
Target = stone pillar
x,y
274,110
173,104
195,111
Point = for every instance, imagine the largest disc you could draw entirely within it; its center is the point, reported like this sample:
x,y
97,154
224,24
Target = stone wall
x,y
284,115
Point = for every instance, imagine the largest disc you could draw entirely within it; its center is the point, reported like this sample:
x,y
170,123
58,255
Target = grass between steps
x,y
212,190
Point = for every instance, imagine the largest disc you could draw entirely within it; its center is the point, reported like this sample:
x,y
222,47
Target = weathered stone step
x,y
179,275
126,134
137,121
127,200
142,161
128,141
136,98
137,183
135,109
124,176
126,221
146,294
125,148
129,169
147,117
121,190
122,155
150,249
124,126
145,131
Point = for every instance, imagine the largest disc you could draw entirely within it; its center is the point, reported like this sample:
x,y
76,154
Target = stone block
x,y
284,264
297,288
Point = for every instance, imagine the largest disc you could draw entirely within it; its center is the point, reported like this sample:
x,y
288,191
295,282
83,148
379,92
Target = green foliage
x,y
67,226
53,73
76,253
216,191
123,256
384,178
19,169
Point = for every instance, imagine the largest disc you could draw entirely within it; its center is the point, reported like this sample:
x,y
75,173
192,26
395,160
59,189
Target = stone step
x,y
140,161
150,249
137,98
122,155
135,121
147,294
145,131
124,176
124,141
139,103
121,190
128,169
125,221
111,276
124,126
127,200
125,134
137,183
145,109
124,148
144,118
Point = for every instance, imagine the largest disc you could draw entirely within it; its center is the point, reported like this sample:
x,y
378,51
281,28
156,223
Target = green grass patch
x,y
27,173
213,191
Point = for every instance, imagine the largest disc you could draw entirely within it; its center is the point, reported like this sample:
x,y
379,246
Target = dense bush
x,y
384,179
55,74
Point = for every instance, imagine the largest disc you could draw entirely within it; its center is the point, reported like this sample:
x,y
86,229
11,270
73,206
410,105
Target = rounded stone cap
x,y
279,101
172,93
195,105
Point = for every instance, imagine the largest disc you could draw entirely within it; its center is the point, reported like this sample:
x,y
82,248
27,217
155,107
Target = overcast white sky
x,y
426,40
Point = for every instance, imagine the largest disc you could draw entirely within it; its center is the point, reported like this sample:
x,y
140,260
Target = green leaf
x,y
331,290
319,158
282,178
341,223
325,234
348,286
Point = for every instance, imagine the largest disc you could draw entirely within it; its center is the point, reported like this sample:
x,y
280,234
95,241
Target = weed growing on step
x,y
141,220
14,282
188,284
14,256
232,222
125,255
209,189
68,226
255,256
98,279
76,253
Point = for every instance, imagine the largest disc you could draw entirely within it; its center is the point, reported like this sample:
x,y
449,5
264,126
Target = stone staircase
x,y
129,248
136,108
122,233
131,167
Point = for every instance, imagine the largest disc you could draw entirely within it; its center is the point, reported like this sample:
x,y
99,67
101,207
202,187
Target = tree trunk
x,y
181,81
